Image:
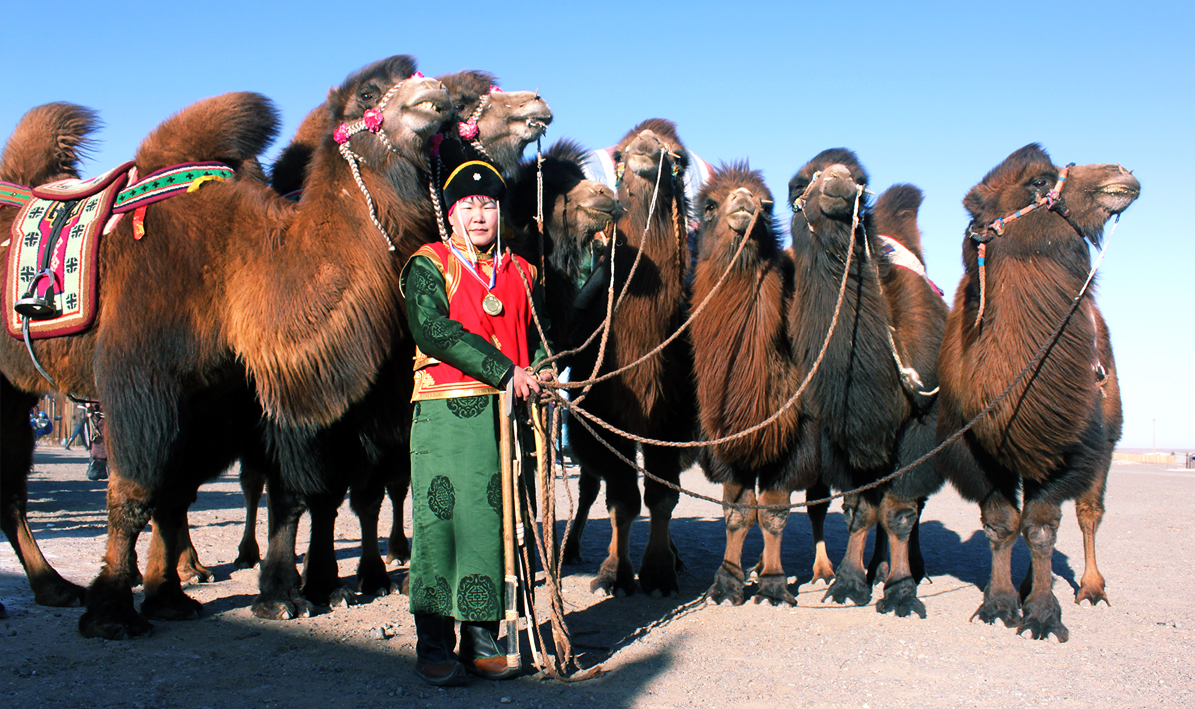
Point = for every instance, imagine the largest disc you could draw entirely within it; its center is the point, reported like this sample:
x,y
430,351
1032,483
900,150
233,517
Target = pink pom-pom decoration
x,y
495,90
341,134
417,75
373,120
468,130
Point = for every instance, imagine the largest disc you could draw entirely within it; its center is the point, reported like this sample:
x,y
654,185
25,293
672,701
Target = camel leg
x,y
661,562
1089,508
588,487
899,518
189,568
916,560
397,547
730,577
616,575
1001,521
1042,614
773,583
279,582
164,597
878,567
366,500
16,460
851,581
110,613
823,568
321,572
253,483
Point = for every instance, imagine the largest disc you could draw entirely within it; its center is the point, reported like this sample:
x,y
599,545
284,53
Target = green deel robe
x,y
456,489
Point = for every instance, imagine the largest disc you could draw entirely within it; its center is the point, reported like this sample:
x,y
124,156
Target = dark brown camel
x,y
1053,436
655,399
178,406
368,448
874,391
745,372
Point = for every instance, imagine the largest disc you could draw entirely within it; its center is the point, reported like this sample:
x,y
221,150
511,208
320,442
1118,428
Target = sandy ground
x,y
673,652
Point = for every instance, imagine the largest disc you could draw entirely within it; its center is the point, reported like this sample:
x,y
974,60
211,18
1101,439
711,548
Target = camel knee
x,y
773,521
860,514
900,521
738,519
1040,537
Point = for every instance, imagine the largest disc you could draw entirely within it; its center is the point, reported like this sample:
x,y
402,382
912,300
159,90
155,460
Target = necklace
x,y
490,303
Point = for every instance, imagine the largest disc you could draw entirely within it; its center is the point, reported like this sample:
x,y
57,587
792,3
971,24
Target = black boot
x,y
435,638
481,653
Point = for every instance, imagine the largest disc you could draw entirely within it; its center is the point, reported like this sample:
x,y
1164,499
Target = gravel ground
x,y
666,652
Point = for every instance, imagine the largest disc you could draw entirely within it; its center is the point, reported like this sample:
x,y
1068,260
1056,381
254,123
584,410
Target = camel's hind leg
x,y
164,597
661,562
253,484
279,597
366,499
321,571
773,583
1089,508
16,460
851,581
730,577
588,487
189,567
397,483
899,519
823,568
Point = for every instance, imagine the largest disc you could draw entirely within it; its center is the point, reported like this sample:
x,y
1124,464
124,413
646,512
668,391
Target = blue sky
x,y
934,94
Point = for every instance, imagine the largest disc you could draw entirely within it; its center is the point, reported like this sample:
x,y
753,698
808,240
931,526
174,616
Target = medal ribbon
x,y
474,268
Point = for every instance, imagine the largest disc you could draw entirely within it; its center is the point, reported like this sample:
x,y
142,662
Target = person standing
x,y
80,420
97,465
471,319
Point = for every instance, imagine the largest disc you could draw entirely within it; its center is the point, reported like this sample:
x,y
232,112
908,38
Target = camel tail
x,y
232,128
895,215
48,144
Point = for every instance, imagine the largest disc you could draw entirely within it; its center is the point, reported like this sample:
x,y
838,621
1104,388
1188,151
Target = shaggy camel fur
x,y
654,399
745,372
1052,437
874,391
173,380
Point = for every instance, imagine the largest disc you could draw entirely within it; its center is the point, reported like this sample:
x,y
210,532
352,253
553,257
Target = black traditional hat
x,y
475,177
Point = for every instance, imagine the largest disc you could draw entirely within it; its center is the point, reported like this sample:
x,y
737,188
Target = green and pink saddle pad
x,y
52,251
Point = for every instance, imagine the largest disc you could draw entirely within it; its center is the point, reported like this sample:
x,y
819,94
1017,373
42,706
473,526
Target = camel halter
x,y
1052,201
372,122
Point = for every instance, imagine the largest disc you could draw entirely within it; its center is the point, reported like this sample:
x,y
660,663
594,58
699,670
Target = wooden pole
x,y
505,453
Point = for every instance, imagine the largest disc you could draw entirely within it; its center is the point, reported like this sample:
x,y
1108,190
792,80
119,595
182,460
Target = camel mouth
x,y
739,220
1116,197
426,111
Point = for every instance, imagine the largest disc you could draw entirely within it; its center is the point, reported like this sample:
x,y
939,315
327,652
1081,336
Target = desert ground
x,y
655,652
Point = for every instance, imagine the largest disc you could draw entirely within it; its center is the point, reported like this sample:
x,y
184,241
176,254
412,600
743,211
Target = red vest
x,y
507,331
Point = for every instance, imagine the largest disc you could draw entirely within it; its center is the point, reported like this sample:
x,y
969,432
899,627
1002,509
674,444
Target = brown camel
x,y
745,372
874,390
258,287
655,399
1052,436
368,448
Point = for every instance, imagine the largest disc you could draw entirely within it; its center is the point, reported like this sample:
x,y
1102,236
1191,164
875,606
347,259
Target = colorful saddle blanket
x,y
54,244
899,255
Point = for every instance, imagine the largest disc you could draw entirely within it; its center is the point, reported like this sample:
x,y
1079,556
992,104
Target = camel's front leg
x,y
773,583
110,613
730,577
899,518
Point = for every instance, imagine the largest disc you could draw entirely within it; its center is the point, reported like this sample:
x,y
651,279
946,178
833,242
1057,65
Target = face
x,y
476,218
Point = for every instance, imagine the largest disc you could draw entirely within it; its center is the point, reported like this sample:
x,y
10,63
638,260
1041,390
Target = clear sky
x,y
935,94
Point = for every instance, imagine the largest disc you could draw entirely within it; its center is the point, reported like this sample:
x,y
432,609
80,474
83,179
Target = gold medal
x,y
491,305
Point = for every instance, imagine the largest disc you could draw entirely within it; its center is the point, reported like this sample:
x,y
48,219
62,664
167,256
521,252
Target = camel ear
x,y
976,201
796,187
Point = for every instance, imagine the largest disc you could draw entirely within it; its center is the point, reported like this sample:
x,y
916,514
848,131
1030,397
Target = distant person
x,y
41,423
97,466
80,432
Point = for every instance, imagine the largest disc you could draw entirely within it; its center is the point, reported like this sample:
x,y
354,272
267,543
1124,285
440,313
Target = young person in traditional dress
x,y
469,314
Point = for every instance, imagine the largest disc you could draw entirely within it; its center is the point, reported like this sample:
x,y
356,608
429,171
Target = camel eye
x,y
366,96
1039,182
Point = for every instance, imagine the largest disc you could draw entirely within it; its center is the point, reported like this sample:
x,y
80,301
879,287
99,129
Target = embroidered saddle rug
x,y
899,255
52,263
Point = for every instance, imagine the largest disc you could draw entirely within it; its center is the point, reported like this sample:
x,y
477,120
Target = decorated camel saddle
x,y
899,255
52,264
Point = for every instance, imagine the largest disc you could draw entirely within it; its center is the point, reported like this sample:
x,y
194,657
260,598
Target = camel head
x,y
411,109
640,152
734,197
506,121
578,213
1090,195
824,189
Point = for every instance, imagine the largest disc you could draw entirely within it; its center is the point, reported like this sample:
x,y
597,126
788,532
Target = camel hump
x,y
569,150
48,143
895,215
233,128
